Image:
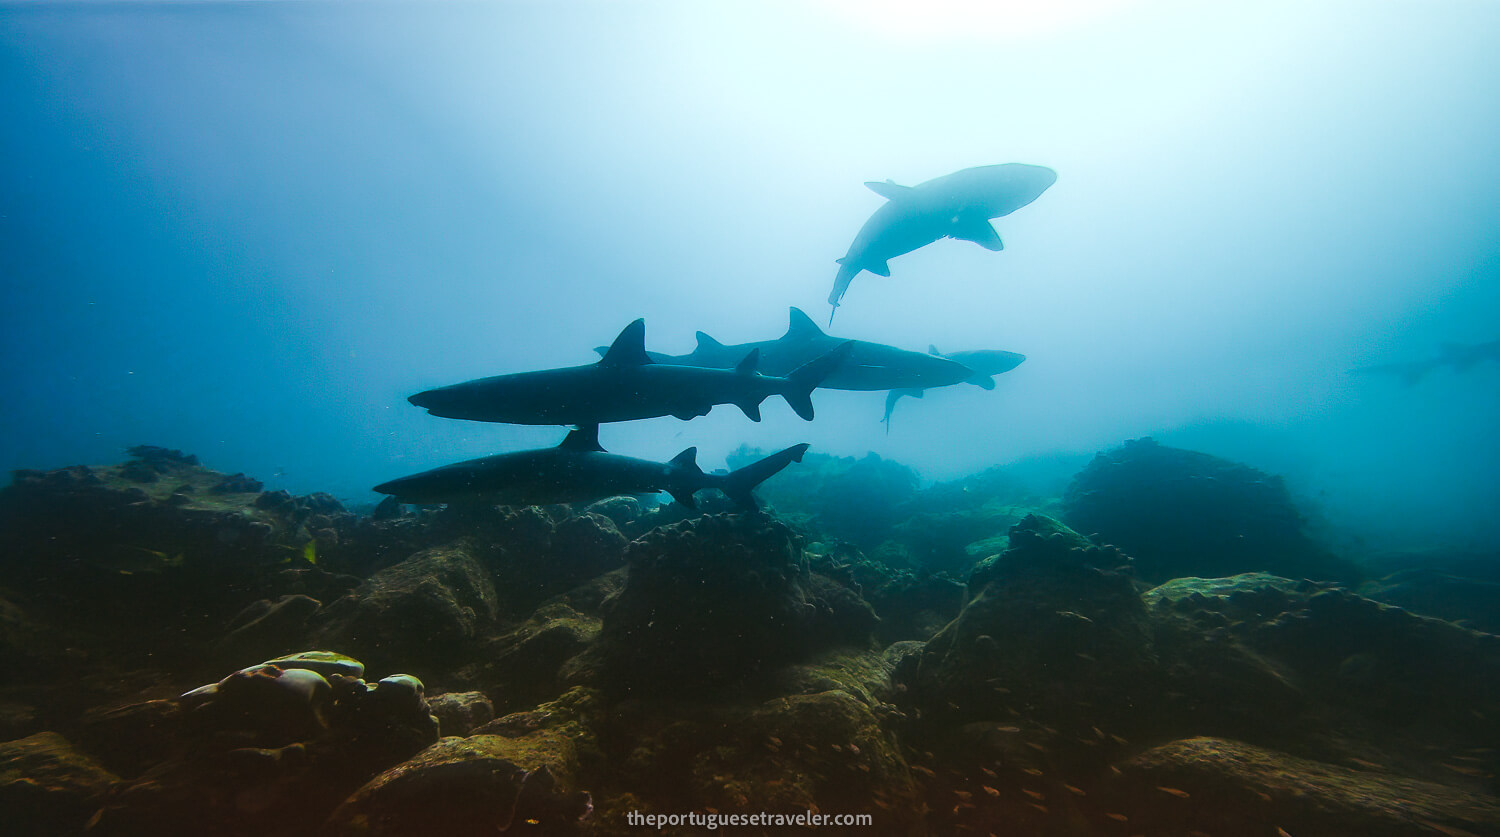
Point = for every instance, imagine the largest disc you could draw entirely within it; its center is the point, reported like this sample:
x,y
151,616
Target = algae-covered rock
x,y
714,602
1053,627
458,713
479,785
1219,786
428,610
1182,513
524,664
47,787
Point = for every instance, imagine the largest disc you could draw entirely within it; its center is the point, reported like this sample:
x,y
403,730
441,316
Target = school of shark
x,y
629,383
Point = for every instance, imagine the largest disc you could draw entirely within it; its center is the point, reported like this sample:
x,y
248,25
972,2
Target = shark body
x,y
868,366
626,385
958,205
985,363
579,470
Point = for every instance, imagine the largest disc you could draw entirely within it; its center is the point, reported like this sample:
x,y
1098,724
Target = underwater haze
x,y
250,230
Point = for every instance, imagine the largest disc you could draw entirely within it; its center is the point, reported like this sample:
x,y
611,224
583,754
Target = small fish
x,y
988,772
1039,807
1118,817
1037,795
1007,729
964,795
989,790
852,749
1466,769
1035,746
310,552
1074,790
1032,771
1177,792
924,771
1282,832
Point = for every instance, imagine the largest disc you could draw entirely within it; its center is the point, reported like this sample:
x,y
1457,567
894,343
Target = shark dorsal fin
x,y
932,350
585,437
749,364
686,459
802,325
706,342
629,349
888,189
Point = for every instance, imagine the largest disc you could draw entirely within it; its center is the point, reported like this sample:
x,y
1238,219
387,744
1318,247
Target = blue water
x,y
250,230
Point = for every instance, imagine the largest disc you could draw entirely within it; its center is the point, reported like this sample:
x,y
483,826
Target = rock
x,y
458,713
427,611
128,739
266,627
483,784
1219,786
1053,625
1182,513
1472,602
715,602
47,787
525,664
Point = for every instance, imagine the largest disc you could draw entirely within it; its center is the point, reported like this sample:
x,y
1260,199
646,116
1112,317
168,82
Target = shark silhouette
x,y
958,205
869,366
626,385
579,470
986,364
1460,357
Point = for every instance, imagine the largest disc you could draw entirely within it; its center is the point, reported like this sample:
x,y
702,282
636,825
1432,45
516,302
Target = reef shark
x,y
958,205
1459,357
579,470
869,366
985,363
626,385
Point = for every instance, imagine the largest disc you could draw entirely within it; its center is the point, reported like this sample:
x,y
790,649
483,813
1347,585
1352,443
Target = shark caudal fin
x,y
690,477
805,378
738,484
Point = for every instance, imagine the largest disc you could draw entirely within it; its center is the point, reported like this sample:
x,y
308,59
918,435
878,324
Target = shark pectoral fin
x,y
684,497
879,268
888,189
751,409
977,230
983,381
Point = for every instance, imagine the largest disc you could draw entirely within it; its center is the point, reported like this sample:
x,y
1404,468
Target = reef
x,y
1181,512
188,653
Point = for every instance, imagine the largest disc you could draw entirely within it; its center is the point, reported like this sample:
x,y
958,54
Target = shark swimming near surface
x,y
869,366
579,470
626,385
958,205
986,364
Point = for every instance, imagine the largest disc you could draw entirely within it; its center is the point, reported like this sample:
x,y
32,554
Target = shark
x,y
958,205
869,366
985,363
1460,357
626,385
580,470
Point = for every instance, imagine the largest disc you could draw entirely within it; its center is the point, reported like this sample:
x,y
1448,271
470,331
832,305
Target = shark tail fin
x,y
805,378
685,466
739,483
